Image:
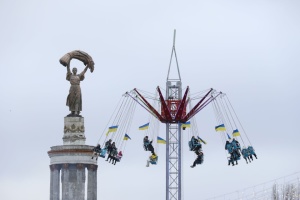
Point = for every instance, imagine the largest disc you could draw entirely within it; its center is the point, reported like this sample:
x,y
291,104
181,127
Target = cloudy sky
x,y
246,49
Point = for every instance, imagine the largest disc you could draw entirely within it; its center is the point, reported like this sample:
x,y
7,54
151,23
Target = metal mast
x,y
173,135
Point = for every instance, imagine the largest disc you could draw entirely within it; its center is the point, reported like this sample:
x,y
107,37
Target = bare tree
x,y
287,192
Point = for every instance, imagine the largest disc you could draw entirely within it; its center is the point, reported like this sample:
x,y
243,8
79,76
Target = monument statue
x,y
74,99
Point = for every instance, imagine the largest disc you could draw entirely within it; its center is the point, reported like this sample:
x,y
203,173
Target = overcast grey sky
x,y
247,49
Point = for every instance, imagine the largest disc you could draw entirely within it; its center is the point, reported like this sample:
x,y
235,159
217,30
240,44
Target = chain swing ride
x,y
176,110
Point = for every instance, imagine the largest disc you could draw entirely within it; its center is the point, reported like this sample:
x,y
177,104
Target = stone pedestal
x,y
68,164
74,131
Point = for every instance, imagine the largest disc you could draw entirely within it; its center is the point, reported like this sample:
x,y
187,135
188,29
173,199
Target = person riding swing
x,y
194,144
148,145
96,151
232,158
246,154
111,150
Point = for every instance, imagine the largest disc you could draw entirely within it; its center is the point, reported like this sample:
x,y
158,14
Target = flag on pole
x,y
161,141
186,125
112,129
220,128
144,127
236,133
126,137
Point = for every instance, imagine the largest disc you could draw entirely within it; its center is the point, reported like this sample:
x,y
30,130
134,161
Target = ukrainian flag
x,y
144,127
126,137
236,133
220,128
160,140
186,124
201,140
112,129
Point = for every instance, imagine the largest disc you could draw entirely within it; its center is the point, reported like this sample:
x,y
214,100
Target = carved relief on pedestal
x,y
73,138
74,129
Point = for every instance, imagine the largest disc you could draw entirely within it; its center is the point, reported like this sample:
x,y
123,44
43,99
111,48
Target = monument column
x,y
68,161
92,182
54,182
65,181
80,182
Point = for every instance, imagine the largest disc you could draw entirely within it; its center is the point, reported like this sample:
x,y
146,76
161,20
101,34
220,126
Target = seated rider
x,y
236,144
246,154
111,150
148,145
199,159
196,145
114,156
96,151
119,156
230,149
236,147
251,152
108,145
146,142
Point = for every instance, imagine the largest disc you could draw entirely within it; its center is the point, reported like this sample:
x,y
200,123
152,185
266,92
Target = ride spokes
x,y
116,134
231,131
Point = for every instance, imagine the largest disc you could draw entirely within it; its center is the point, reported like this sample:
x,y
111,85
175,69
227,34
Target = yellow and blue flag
x,y
126,137
144,127
112,129
186,124
201,140
161,141
220,128
236,133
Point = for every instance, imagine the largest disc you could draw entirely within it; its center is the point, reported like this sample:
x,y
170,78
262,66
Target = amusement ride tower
x,y
174,113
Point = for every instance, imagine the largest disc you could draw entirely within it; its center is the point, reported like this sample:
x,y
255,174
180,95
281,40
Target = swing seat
x,y
190,145
229,148
193,146
154,161
251,150
245,153
103,153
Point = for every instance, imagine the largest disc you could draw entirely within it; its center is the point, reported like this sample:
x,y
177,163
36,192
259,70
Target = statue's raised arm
x,y
74,99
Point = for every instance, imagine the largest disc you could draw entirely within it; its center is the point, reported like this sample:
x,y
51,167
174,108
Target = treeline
x,y
289,191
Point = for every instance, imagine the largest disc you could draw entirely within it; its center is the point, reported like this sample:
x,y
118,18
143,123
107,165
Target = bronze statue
x,y
74,99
